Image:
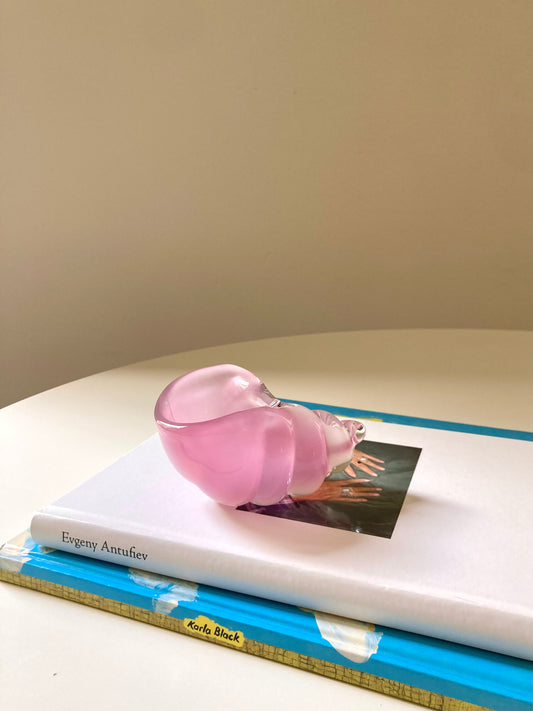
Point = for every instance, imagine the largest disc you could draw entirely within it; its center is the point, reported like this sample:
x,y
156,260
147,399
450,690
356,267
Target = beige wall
x,y
178,174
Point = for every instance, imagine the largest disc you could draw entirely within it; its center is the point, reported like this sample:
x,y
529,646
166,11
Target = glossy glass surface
x,y
224,431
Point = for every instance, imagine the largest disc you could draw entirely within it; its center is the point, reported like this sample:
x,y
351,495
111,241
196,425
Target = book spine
x,y
187,559
69,532
308,639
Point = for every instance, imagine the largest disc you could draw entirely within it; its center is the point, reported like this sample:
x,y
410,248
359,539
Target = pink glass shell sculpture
x,y
225,432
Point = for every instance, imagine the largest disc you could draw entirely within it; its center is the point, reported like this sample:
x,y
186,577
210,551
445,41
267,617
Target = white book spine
x,y
407,609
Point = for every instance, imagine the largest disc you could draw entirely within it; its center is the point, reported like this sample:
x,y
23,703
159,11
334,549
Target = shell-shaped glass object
x,y
224,431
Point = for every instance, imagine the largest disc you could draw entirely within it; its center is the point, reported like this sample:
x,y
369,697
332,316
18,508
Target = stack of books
x,y
407,574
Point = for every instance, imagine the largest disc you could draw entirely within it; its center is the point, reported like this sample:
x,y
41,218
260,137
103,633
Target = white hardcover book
x,y
449,558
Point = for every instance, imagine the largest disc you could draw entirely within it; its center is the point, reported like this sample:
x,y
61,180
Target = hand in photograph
x,y
365,463
342,491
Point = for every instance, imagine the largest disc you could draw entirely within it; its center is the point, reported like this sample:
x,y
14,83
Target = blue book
x,y
433,673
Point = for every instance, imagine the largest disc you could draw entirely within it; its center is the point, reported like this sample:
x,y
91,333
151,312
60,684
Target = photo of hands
x,y
366,497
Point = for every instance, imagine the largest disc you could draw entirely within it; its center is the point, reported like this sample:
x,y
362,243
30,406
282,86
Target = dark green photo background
x,y
378,515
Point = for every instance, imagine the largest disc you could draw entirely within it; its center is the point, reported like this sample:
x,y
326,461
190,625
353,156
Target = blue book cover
x,y
427,671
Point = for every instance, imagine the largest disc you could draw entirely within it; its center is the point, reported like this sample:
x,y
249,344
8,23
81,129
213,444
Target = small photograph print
x,y
366,497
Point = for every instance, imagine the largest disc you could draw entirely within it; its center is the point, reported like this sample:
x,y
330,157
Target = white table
x,y
59,655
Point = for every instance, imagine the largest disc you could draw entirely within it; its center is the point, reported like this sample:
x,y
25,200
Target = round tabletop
x,y
60,655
